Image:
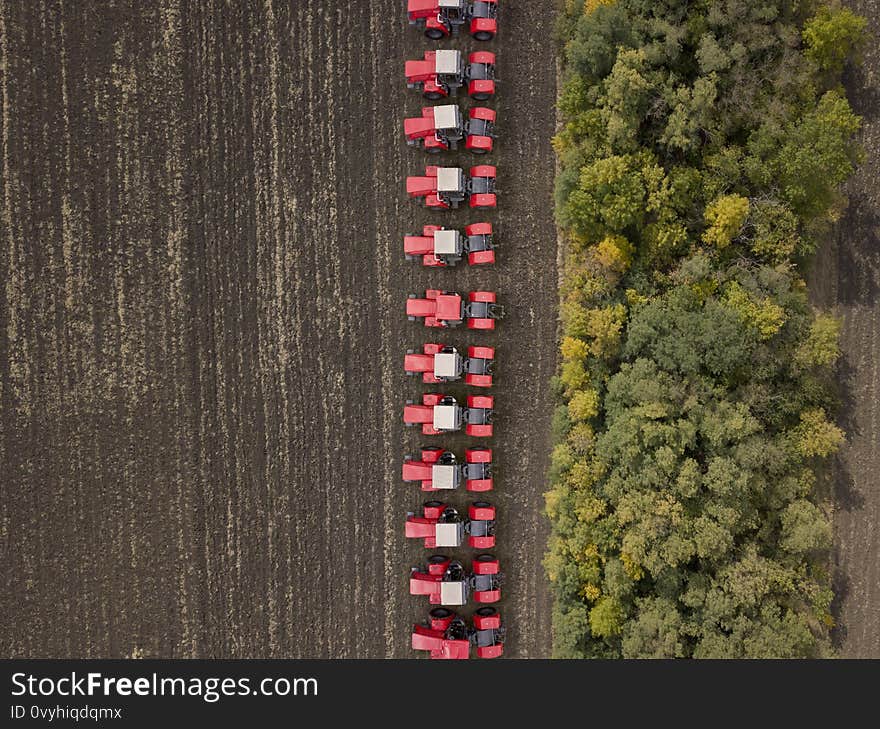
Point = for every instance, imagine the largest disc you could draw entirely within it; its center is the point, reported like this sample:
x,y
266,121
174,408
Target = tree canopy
x,y
702,152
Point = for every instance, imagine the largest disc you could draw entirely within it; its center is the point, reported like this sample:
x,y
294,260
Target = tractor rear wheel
x,y
480,96
436,95
482,35
435,33
436,558
482,504
486,611
479,150
440,613
433,504
433,150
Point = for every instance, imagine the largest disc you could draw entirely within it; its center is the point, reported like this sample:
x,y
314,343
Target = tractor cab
x,y
449,309
448,364
447,415
448,121
448,243
449,67
455,586
450,181
445,476
452,186
453,10
449,534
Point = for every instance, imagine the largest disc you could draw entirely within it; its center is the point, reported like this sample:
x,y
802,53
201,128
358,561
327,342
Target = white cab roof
x,y
446,417
446,242
450,3
444,476
453,593
449,179
447,364
447,62
447,116
449,535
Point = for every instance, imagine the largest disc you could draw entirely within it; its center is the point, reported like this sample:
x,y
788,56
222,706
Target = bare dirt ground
x,y
202,328
847,278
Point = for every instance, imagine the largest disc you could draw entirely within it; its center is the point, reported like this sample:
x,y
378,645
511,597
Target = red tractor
x,y
442,18
446,635
437,246
441,128
442,73
449,187
448,583
441,525
445,309
439,470
438,363
442,414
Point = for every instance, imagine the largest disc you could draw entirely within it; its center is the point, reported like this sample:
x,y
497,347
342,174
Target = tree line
x,y
702,151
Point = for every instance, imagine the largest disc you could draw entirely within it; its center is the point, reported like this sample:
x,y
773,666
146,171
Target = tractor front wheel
x,y
482,35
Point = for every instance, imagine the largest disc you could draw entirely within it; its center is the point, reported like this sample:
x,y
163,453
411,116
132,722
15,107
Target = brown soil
x,y
202,328
846,277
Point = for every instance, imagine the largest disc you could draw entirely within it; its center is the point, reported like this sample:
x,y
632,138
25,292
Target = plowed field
x,y
202,327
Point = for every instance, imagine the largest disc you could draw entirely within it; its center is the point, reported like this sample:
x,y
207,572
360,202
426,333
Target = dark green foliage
x,y
701,140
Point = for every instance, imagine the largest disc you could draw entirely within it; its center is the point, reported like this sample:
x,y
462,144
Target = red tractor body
x,y
440,74
442,414
445,582
438,246
445,309
441,128
439,470
440,525
439,363
446,636
442,18
448,187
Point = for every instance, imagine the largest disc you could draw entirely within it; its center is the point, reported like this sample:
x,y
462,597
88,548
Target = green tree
x,y
833,35
805,529
820,348
606,617
724,219
816,435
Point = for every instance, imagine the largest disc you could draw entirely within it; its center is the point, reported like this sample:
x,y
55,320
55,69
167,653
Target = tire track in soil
x,y
202,329
846,278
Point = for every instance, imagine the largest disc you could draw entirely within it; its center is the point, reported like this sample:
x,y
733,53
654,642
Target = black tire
x,y
440,613
433,150
433,503
479,150
437,558
483,35
481,96
435,34
485,558
482,504
435,95
486,611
